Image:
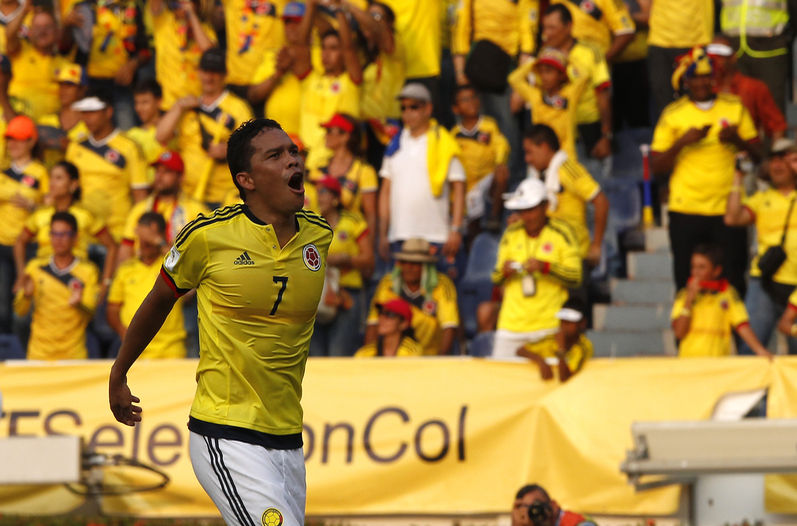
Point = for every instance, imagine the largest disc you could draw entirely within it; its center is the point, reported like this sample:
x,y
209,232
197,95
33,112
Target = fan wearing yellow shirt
x,y
258,272
708,308
147,101
131,284
35,63
58,129
202,126
112,172
63,293
9,10
182,32
606,24
336,89
696,141
418,26
538,261
394,333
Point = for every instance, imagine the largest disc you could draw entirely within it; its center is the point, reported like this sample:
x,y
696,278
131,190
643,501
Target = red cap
x,y
330,183
171,160
552,57
397,306
339,121
21,128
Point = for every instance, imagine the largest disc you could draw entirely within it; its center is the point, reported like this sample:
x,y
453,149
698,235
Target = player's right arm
x,y
145,324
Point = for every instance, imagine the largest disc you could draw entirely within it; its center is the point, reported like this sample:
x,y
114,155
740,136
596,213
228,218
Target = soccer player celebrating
x,y
260,266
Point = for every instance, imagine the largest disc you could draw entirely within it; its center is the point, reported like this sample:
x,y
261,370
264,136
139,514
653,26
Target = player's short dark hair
x,y
330,33
73,173
564,13
528,488
153,218
542,133
711,252
148,86
239,147
64,217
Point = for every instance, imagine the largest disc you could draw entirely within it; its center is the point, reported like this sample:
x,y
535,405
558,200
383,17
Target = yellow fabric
x,y
697,61
755,18
176,60
555,245
149,146
382,81
107,174
585,63
770,208
232,112
578,188
108,54
177,213
31,184
714,314
348,231
238,337
33,85
429,317
703,173
132,283
322,97
482,150
576,356
359,179
636,50
560,116
285,103
418,24
512,24
441,148
679,24
253,29
407,349
88,226
597,21
58,330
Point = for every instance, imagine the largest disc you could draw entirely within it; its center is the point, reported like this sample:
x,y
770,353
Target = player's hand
x,y
462,79
533,265
546,372
693,135
284,60
511,268
122,401
451,246
22,202
74,19
594,255
602,148
188,102
730,135
126,73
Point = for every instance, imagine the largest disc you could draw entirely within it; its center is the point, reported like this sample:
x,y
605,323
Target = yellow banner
x,y
404,436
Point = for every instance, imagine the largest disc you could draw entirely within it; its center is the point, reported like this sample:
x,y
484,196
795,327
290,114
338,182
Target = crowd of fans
x,y
416,119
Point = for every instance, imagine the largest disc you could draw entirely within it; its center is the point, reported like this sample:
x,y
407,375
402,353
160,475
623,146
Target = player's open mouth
x,y
296,182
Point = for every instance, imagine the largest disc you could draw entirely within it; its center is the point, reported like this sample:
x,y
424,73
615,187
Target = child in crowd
x,y
708,308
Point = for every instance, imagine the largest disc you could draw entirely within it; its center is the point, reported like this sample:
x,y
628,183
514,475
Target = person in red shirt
x,y
533,507
754,93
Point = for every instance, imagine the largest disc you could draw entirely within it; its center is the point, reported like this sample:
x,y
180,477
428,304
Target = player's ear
x,y
245,180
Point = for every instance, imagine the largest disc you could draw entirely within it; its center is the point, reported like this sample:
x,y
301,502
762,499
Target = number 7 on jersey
x,y
283,282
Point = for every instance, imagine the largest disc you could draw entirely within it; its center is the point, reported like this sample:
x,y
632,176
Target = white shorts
x,y
251,485
506,343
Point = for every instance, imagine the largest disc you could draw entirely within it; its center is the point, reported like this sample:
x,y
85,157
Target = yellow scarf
x,y
441,147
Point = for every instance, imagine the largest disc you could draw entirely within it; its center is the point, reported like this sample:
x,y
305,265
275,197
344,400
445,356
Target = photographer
x,y
533,507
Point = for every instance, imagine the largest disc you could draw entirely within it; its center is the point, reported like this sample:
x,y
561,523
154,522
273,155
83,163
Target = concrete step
x,y
650,265
657,240
617,343
629,291
631,317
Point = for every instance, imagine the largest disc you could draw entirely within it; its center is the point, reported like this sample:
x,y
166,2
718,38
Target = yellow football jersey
x,y
512,24
359,179
149,146
586,63
418,24
703,174
576,356
33,85
285,102
714,315
109,169
29,182
557,247
257,304
130,286
577,188
431,313
115,37
196,131
88,227
58,329
596,21
407,348
675,23
348,232
382,80
482,149
770,209
253,29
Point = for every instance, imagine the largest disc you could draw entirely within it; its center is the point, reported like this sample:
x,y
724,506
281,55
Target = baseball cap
x,y
330,183
71,74
572,310
719,50
89,104
552,57
397,306
339,121
293,10
21,128
170,160
529,193
415,91
782,145
213,60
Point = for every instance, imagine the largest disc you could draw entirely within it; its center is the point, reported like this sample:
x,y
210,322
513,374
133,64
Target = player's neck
x,y
284,224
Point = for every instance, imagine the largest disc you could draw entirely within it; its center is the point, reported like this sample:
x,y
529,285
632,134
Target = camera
x,y
540,512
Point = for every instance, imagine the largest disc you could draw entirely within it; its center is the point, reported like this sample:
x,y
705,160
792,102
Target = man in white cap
x,y
423,184
538,260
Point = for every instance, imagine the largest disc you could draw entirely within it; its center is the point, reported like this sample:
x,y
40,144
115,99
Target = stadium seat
x,y
476,285
482,345
10,348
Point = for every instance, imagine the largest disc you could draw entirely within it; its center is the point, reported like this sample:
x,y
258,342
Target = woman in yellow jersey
x,y
351,252
63,196
395,334
357,178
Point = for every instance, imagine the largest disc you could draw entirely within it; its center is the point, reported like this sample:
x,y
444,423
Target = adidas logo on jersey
x,y
244,259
